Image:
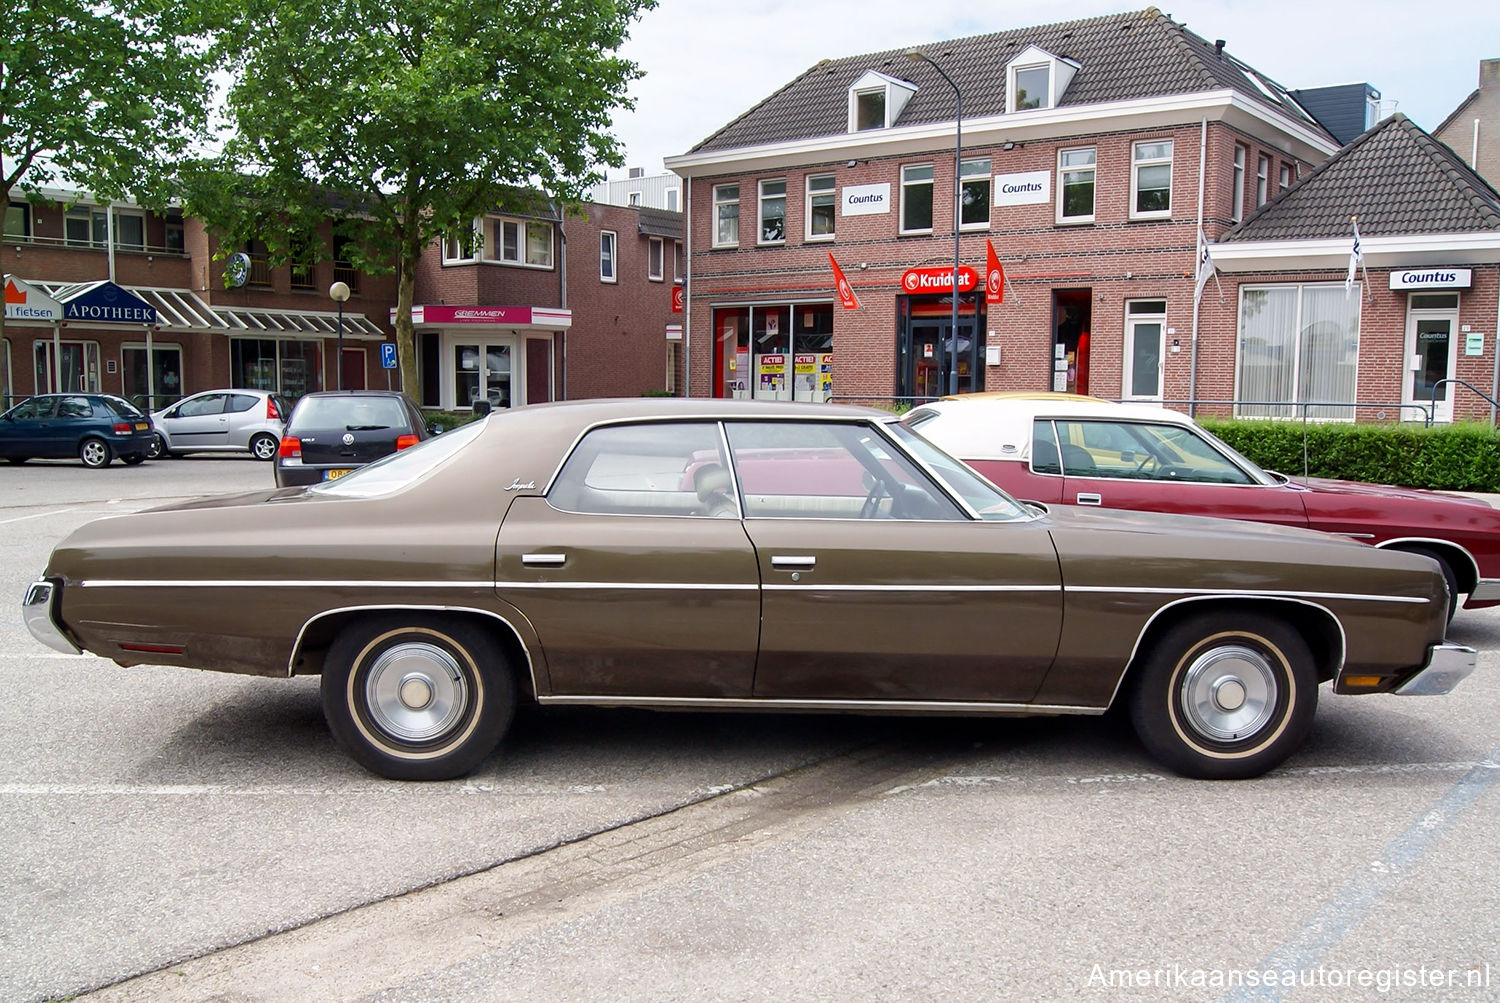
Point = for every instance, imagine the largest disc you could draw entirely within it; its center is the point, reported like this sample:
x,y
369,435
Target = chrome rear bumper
x,y
38,610
1486,590
1447,665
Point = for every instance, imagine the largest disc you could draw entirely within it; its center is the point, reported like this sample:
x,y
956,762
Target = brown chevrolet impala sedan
x,y
741,555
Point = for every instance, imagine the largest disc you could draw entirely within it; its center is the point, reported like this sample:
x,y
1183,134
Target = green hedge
x,y
1463,457
448,419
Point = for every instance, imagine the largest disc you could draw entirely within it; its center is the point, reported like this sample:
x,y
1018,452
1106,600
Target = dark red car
x,y
1085,451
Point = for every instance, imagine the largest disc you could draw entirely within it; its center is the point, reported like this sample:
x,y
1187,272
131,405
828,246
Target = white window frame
x,y
656,255
673,199
1292,407
610,257
1285,178
129,214
1135,173
931,182
1237,197
720,204
761,198
1063,171
1262,180
633,199
1013,71
885,99
1133,318
976,171
523,229
458,252
831,192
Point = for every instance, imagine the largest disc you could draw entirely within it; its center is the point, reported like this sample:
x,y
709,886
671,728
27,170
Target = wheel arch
x,y
1314,622
1465,568
319,631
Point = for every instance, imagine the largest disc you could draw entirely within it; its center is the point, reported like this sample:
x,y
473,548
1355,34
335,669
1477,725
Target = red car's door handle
x,y
1090,498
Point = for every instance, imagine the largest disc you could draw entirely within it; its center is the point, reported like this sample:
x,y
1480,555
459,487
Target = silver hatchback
x,y
222,420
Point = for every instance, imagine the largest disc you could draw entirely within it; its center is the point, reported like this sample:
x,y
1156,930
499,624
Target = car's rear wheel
x,y
412,697
264,446
1225,697
94,453
158,447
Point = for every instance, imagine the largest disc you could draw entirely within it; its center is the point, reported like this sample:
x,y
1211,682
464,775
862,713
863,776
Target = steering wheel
x,y
1140,468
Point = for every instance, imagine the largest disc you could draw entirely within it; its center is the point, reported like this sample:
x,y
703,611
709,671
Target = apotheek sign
x,y
1432,278
938,280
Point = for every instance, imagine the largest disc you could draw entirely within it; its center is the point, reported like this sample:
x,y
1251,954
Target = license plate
x,y
333,475
141,426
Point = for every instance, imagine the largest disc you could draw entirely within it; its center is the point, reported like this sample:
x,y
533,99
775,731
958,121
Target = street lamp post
x,y
918,56
339,292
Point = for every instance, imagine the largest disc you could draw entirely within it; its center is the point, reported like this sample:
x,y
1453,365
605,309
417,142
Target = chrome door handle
x,y
786,562
1090,498
544,560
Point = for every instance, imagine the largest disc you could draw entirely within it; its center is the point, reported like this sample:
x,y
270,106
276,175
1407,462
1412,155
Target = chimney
x,y
1219,47
1489,72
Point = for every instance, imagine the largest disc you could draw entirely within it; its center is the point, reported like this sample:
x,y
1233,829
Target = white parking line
x,y
43,515
198,790
1110,779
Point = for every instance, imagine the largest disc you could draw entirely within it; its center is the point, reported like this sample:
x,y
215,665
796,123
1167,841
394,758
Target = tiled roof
x,y
1141,54
1396,178
661,223
1462,105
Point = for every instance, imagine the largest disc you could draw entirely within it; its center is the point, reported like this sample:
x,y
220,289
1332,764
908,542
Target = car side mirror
x,y
435,428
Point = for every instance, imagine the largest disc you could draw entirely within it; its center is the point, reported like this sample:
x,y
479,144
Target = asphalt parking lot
x,y
173,834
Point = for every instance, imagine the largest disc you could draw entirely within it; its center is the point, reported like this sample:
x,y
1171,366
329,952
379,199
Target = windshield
x,y
397,470
990,502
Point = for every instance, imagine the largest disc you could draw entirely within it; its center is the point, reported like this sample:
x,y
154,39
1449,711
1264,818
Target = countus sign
x,y
938,280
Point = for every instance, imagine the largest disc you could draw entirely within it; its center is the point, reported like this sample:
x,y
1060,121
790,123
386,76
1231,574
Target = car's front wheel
x,y
94,453
158,447
417,698
1225,697
264,447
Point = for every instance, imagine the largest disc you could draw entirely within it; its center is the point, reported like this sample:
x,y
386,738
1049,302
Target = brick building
x,y
1473,129
1083,148
126,286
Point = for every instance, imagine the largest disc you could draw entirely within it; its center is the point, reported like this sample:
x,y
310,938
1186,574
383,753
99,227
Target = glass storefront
x,y
166,372
774,352
76,368
291,368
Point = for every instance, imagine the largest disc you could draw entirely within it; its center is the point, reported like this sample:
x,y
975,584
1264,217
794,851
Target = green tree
x,y
403,122
100,96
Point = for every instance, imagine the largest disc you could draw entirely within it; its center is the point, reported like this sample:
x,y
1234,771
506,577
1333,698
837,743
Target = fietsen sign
x,y
866,200
1031,188
1432,278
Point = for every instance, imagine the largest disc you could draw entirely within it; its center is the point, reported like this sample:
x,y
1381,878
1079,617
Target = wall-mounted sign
x,y
24,301
1031,188
509,316
866,200
1474,343
109,303
938,280
1432,278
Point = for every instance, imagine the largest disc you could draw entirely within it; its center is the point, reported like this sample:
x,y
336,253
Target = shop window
x,y
1297,343
165,385
1151,179
822,206
655,253
73,367
916,198
974,194
772,213
607,244
726,215
1075,183
291,368
1237,208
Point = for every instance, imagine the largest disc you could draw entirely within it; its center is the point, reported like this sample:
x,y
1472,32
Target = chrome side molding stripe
x,y
779,703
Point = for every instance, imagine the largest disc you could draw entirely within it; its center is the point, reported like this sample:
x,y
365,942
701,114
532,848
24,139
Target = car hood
x,y
1173,525
1326,486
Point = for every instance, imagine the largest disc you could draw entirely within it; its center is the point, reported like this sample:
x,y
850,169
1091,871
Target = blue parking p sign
x,y
387,355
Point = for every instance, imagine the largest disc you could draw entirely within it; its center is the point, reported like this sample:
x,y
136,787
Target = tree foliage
x,y
404,121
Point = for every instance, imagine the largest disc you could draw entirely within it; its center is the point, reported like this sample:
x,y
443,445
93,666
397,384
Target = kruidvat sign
x,y
1432,278
110,304
867,200
1031,188
938,280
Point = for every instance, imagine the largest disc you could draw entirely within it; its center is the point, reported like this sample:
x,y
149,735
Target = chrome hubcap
x,y
1229,693
93,452
415,691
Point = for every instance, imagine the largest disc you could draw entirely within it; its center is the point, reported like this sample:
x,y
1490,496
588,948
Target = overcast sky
x,y
707,61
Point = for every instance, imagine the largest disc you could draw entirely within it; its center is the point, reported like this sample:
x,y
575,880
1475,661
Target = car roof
x,y
988,426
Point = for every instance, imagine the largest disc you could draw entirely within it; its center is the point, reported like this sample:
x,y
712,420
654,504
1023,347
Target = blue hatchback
x,y
93,427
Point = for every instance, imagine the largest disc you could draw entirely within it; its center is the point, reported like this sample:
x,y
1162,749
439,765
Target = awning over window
x,y
183,310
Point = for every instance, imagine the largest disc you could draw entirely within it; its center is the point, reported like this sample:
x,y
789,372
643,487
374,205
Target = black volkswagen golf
x,y
333,432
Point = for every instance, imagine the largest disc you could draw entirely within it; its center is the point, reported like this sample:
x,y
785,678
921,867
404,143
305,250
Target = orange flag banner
x,y
994,276
846,291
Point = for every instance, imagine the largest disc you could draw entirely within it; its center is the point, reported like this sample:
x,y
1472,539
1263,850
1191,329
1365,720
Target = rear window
x,y
397,470
350,413
122,407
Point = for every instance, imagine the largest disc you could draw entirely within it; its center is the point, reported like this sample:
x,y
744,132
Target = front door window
x,y
74,369
482,372
1430,324
1145,326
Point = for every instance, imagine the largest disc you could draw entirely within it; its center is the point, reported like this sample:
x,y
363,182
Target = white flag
x,y
1356,258
1205,267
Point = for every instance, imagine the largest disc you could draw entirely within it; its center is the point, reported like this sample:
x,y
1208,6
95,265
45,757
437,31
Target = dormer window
x,y
1037,79
876,100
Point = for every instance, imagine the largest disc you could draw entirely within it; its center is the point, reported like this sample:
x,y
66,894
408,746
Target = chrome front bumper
x,y
38,610
1447,665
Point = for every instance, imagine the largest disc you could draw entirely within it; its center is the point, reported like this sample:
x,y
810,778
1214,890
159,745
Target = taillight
x,y
271,411
122,427
291,447
406,440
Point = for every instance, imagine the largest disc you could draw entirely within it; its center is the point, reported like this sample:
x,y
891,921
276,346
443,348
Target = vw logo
x,y
348,438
